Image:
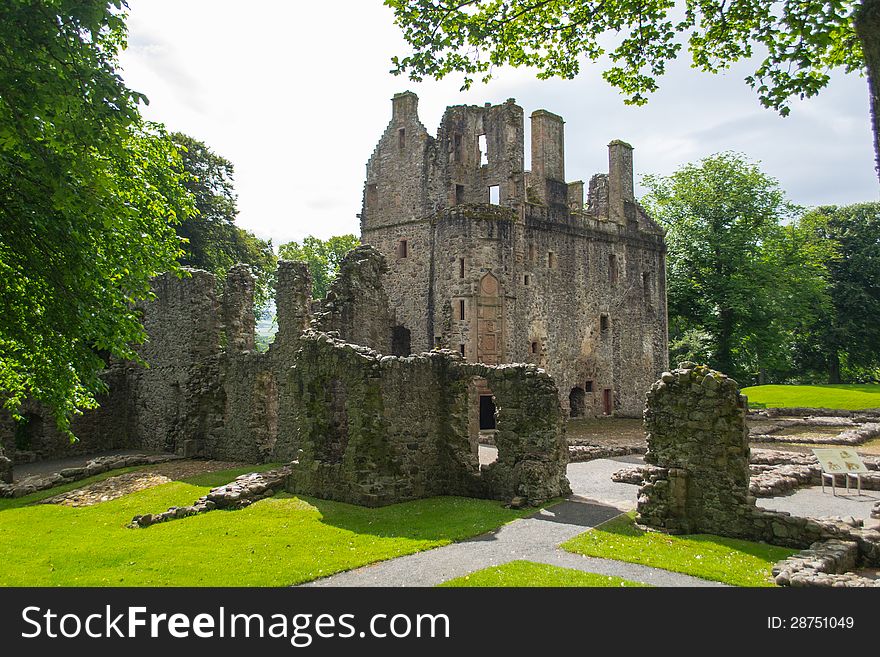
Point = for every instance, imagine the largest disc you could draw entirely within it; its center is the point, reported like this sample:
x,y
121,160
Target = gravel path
x,y
596,499
533,539
811,501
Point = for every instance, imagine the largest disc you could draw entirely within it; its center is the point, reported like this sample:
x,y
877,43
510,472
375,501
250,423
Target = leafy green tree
x,y
89,195
212,241
322,256
797,42
843,340
739,281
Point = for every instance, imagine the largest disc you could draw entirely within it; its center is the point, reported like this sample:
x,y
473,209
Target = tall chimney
x,y
403,106
548,151
620,180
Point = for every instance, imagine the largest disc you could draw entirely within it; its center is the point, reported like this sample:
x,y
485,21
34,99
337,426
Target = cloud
x,y
158,61
298,108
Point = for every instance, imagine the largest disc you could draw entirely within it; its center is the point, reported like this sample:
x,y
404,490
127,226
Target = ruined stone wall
x,y
698,441
5,468
407,282
293,299
458,175
239,322
360,426
695,429
184,333
378,429
37,437
356,306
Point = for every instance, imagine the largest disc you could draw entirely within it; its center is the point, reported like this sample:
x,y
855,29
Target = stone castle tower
x,y
507,265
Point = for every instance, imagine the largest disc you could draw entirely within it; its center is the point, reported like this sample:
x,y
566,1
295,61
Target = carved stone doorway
x,y
490,320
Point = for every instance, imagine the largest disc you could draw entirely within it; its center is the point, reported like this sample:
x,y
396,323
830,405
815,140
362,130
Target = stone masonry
x,y
507,265
361,425
699,483
376,429
695,430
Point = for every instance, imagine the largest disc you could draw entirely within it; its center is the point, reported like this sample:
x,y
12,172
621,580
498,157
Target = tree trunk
x,y
867,24
834,367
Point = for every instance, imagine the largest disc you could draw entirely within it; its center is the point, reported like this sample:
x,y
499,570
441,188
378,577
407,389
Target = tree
x,y
212,241
798,41
739,281
843,340
322,256
89,195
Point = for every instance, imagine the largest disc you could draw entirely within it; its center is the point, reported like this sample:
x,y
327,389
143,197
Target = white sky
x,y
297,94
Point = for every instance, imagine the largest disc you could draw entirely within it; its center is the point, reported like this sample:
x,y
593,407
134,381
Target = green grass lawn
x,y
728,560
850,397
279,541
529,573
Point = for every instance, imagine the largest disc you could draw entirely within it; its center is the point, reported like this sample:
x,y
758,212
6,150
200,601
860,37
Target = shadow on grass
x,y
431,519
625,525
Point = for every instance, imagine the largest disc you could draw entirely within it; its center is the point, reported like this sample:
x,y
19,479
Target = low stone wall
x,y
856,435
826,564
698,443
93,467
772,472
581,453
869,414
238,494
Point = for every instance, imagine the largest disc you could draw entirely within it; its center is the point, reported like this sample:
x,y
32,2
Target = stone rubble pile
x,y
637,475
242,492
93,467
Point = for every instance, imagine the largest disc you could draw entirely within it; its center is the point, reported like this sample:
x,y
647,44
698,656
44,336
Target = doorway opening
x,y
607,402
577,402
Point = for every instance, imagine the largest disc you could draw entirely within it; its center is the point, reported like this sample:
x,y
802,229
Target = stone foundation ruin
x,y
699,483
363,426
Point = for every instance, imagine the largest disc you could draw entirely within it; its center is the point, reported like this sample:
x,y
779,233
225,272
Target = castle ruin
x,y
506,265
379,392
